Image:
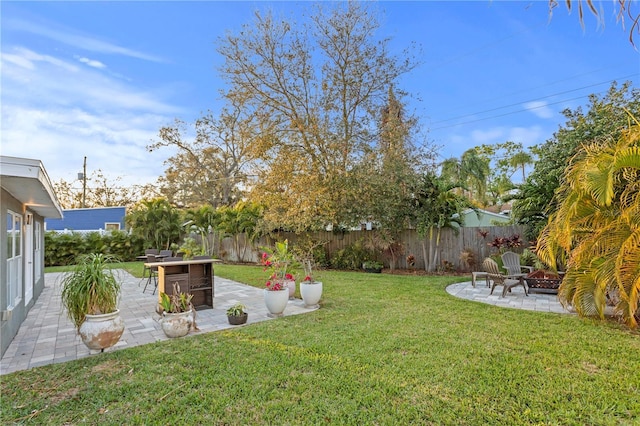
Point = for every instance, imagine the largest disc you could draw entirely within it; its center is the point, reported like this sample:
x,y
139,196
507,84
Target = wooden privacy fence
x,y
474,239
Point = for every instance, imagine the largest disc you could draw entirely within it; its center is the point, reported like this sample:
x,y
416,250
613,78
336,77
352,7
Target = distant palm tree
x,y
520,160
241,221
156,221
204,220
596,229
470,173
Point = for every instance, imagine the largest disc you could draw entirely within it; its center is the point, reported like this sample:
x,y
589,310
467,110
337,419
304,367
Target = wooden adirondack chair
x,y
511,262
496,278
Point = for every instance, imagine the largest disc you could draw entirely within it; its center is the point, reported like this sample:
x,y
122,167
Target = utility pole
x,y
83,176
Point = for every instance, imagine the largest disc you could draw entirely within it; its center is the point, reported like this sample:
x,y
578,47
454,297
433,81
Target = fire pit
x,y
543,281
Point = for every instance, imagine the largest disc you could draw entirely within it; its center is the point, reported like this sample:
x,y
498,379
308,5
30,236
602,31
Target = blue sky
x,y
99,79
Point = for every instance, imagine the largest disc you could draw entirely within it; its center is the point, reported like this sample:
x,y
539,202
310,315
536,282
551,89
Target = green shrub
x,y
528,258
352,257
62,249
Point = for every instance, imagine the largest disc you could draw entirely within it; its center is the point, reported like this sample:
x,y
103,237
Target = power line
x,y
572,77
509,113
535,99
520,103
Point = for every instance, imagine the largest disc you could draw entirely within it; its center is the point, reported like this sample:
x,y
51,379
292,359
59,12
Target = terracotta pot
x,y
276,301
99,332
178,324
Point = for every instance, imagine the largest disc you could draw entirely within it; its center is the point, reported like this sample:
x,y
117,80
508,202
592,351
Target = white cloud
x,y
58,112
528,136
92,62
25,58
540,109
72,38
489,136
458,143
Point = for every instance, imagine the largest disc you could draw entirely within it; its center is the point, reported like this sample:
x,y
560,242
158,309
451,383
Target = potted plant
x,y
310,289
280,262
177,312
237,314
90,295
276,296
372,266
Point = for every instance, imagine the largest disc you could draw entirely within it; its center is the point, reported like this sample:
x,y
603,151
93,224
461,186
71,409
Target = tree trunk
x,y
424,255
236,246
437,250
431,266
392,261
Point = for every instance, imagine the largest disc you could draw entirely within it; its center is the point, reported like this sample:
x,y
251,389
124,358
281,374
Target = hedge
x,y
63,248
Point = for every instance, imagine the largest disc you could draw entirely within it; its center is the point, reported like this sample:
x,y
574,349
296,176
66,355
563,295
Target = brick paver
x,y
47,336
516,299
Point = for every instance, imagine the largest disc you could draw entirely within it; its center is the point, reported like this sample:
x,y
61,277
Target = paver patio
x,y
47,336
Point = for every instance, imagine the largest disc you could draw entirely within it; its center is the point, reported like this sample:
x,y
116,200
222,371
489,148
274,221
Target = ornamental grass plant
x,y
384,349
90,288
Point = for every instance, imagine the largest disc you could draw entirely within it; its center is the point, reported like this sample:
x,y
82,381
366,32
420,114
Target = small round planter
x,y
99,332
238,319
311,293
276,301
178,324
371,267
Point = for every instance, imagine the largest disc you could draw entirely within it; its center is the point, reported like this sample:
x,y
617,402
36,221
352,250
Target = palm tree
x,y
469,173
474,171
156,221
435,208
520,160
597,229
242,219
204,220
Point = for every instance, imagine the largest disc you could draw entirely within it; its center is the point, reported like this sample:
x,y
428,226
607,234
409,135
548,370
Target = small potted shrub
x,y
372,266
90,295
310,288
237,314
177,312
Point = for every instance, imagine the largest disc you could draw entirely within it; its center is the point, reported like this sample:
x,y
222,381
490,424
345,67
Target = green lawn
x,y
383,349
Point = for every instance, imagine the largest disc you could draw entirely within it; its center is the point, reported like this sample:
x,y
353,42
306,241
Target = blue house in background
x,y
85,220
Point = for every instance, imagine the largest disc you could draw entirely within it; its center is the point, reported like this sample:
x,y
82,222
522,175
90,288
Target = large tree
x,y
606,117
101,191
317,90
388,178
212,167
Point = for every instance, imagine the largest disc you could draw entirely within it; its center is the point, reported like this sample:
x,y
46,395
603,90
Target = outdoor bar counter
x,y
193,276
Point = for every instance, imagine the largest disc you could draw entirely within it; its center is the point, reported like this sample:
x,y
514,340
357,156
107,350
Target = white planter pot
x,y
311,293
178,324
99,332
276,301
291,285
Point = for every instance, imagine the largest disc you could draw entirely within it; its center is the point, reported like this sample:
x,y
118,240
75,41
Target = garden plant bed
x,y
543,282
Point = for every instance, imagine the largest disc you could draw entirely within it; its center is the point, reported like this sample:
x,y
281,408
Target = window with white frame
x,y
111,226
37,250
14,259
